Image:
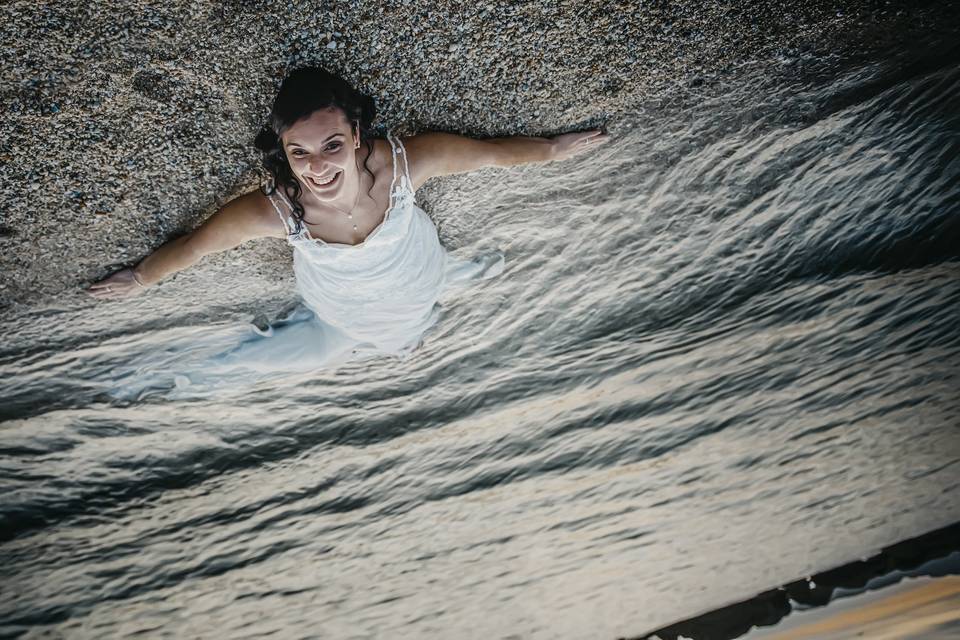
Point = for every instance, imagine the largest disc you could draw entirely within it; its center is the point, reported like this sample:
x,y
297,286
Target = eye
x,y
297,152
333,146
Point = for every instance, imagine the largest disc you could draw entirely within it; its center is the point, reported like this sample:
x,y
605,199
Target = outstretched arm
x,y
437,154
244,218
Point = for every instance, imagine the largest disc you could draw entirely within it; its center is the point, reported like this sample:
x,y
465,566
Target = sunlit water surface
x,y
722,355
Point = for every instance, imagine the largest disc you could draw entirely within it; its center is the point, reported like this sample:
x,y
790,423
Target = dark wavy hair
x,y
304,91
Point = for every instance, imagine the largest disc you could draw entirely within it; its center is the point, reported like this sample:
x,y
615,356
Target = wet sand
x,y
926,609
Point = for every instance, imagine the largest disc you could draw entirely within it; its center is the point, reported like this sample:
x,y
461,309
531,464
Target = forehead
x,y
319,125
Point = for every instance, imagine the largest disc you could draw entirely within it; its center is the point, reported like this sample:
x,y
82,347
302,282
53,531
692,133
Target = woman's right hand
x,y
121,284
568,145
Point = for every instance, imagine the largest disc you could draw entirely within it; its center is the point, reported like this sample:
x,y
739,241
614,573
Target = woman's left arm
x,y
439,154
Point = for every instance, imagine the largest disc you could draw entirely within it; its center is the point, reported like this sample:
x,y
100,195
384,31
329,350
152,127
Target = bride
x,y
367,260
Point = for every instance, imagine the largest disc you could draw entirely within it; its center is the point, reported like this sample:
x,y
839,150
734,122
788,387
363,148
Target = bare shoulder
x,y
244,218
255,211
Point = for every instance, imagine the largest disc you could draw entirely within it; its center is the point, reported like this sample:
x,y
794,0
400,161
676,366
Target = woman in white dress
x,y
367,260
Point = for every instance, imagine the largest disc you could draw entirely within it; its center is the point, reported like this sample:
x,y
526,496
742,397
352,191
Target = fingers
x,y
103,294
106,290
590,141
576,143
593,137
100,287
112,287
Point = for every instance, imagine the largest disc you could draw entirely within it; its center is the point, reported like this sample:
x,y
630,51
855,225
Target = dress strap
x,y
288,222
400,153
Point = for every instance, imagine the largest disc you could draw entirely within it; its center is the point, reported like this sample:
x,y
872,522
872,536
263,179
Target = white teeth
x,y
322,184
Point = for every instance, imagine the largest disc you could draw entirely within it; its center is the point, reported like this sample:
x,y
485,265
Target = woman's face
x,y
321,150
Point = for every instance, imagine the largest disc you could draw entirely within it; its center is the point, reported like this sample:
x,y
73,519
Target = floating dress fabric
x,y
375,298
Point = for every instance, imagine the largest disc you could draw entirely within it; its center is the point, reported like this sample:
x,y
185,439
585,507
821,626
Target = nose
x,y
316,166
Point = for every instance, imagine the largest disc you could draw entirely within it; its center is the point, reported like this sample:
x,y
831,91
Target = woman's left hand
x,y
121,284
568,145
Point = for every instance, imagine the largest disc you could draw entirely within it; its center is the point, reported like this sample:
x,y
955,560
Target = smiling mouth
x,y
322,183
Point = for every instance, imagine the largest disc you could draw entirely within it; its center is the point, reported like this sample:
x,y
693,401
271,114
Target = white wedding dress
x,y
372,299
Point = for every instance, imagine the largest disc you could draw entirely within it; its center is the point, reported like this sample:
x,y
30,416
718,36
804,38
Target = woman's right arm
x,y
245,218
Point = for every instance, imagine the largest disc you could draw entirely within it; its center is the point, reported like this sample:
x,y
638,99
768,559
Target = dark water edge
x,y
934,554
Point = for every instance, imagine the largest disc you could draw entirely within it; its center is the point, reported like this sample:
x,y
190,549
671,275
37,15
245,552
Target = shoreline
x,y
767,614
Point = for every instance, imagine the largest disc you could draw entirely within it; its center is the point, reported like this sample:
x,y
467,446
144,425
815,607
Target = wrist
x,y
138,278
551,150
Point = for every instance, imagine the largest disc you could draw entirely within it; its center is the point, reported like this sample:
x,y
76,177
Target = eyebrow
x,y
293,143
